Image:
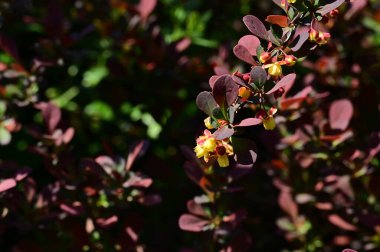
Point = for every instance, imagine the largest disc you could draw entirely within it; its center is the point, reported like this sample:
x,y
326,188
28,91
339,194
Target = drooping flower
x,y
275,70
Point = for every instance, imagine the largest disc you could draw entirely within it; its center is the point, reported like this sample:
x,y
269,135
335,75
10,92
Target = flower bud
x,y
313,34
290,60
223,161
334,13
244,93
261,114
269,123
278,93
322,38
207,122
275,70
264,57
246,77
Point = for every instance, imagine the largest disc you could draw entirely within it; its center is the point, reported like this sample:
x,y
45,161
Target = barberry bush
x,y
98,112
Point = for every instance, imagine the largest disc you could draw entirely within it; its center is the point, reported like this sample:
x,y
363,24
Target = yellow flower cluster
x,y
208,147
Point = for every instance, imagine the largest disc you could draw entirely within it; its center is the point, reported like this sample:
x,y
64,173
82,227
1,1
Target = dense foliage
x,y
98,105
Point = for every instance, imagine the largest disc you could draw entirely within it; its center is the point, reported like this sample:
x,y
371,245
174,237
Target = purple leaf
x,y
107,222
245,151
195,208
287,80
212,80
192,223
74,209
225,90
286,202
248,122
7,184
136,150
258,75
22,173
223,133
206,102
340,114
329,7
341,223
68,135
300,37
349,250
356,6
255,26
242,53
138,181
145,7
250,42
51,114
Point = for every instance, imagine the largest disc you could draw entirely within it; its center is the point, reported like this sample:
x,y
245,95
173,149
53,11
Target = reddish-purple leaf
x,y
250,42
341,223
107,222
329,7
74,209
248,122
225,90
242,53
145,7
212,80
68,135
192,223
51,114
245,151
196,208
136,150
255,26
279,20
206,102
287,80
223,133
286,202
7,184
349,250
221,70
356,6
340,114
300,37
138,181
258,75
22,173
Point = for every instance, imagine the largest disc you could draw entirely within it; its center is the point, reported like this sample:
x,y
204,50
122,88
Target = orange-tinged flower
x,y
244,93
264,57
290,60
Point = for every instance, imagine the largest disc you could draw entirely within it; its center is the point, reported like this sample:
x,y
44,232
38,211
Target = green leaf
x,y
99,110
5,136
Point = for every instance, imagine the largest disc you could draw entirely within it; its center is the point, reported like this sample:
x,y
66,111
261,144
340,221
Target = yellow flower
x,y
210,144
207,122
269,123
199,151
275,70
223,161
292,1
